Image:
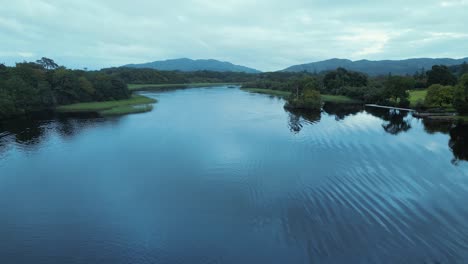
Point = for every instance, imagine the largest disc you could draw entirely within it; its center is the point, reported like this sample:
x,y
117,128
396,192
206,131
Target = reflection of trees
x,y
395,121
458,136
434,126
22,131
31,132
299,118
341,111
459,143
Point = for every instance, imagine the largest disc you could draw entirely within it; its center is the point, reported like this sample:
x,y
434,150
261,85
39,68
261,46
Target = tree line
x,y
445,86
42,85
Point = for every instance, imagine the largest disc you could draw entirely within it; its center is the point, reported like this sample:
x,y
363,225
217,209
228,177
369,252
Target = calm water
x,y
222,176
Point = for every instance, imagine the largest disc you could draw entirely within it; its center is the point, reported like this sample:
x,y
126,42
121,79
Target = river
x,y
219,175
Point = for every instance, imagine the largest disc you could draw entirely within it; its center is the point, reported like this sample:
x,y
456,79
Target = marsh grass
x,y
136,104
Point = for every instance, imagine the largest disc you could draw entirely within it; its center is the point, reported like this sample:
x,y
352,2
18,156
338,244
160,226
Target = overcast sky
x,y
264,34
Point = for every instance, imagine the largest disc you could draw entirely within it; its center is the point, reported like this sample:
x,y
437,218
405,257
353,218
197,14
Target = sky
x,y
264,34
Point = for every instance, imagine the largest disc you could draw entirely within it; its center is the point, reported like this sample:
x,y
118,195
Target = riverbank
x,y
284,94
136,104
153,87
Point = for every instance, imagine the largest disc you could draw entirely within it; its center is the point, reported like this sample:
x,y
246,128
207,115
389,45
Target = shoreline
x,y
135,104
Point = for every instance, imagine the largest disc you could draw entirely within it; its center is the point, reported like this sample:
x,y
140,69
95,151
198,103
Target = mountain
x,y
188,65
374,68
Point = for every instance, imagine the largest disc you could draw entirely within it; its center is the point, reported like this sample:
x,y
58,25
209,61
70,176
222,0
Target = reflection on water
x,y
299,118
459,142
396,121
341,111
222,176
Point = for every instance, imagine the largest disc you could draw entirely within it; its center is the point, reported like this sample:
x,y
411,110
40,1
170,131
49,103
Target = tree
x,y
341,77
86,85
7,106
460,100
439,95
440,74
306,96
47,63
396,88
464,68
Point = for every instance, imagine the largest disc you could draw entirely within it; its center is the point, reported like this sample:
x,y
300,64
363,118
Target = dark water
x,y
222,176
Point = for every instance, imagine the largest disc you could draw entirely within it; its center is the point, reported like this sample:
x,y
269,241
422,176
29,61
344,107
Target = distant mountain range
x,y
374,68
188,65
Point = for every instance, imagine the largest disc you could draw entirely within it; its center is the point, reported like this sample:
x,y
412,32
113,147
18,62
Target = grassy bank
x,y
284,94
152,87
136,104
416,96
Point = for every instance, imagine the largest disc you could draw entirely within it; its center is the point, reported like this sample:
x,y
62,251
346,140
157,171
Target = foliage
x,y
306,95
438,95
396,89
460,101
47,63
31,87
440,74
150,76
339,78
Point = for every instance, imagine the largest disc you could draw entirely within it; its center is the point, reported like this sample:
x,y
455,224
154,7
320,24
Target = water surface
x,y
219,175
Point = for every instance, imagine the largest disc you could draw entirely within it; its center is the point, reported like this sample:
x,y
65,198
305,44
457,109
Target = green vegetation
x,y
439,95
155,77
440,74
43,85
460,101
335,80
136,104
152,87
283,94
417,97
308,99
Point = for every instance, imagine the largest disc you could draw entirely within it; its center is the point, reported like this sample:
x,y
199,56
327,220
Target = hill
x,y
374,68
189,65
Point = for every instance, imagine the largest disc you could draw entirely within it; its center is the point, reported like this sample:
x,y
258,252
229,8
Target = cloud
x,y
451,3
265,34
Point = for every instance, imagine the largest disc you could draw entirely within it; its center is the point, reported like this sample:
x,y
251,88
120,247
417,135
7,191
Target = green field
x,y
149,87
416,96
136,104
284,94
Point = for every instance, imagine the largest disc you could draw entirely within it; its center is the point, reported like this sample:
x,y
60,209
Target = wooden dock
x,y
390,107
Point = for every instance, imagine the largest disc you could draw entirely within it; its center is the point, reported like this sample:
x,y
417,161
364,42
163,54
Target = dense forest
x,y
37,86
151,76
